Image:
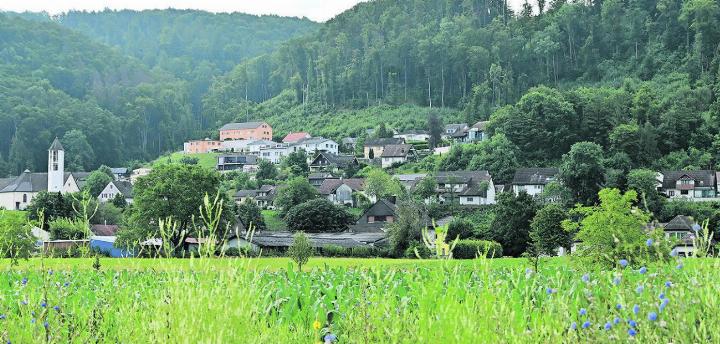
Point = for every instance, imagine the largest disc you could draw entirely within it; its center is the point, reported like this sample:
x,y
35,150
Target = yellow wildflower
x,y
316,325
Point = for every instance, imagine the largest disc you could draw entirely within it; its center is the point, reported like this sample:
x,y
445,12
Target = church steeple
x,y
56,166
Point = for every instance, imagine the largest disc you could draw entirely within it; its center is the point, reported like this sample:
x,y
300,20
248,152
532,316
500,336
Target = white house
x,y
17,192
467,187
533,180
413,136
477,132
394,154
114,188
316,144
682,230
341,191
235,145
690,185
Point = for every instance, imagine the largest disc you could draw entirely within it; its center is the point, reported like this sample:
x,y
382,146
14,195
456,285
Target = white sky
x,y
317,10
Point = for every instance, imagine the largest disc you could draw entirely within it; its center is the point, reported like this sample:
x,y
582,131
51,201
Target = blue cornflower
x,y
673,253
668,284
66,284
623,262
583,311
618,306
662,296
43,304
652,316
528,271
550,291
50,272
573,326
24,280
679,266
636,309
586,324
632,323
330,338
663,304
608,326
639,289
632,332
616,281
24,302
2,316
696,227
616,320
643,270
56,308
649,242
46,324
32,313
32,321
585,278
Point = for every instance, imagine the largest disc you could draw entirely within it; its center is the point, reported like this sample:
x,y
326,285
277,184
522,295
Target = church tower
x,y
56,167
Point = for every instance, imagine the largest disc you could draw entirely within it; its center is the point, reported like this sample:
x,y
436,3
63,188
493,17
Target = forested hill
x,y
458,53
108,107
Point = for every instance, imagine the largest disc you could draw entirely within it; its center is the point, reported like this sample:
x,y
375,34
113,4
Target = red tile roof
x,y
295,137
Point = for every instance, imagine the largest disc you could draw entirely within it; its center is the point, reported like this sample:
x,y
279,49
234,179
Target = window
x,y
55,161
24,198
671,193
380,218
686,181
470,199
683,192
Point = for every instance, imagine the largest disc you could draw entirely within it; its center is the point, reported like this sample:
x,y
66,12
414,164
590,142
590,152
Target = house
x,y
255,146
201,146
376,218
326,161
441,150
104,230
139,172
120,173
455,132
349,143
246,130
690,185
114,188
396,154
275,154
409,180
236,146
316,179
295,137
316,144
282,240
413,136
232,162
477,132
468,187
682,229
243,195
374,147
342,191
17,192
533,180
263,197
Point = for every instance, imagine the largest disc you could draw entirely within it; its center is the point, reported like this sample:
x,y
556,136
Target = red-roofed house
x,y
295,137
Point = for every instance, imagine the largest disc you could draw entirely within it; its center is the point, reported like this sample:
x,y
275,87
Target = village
x,y
333,171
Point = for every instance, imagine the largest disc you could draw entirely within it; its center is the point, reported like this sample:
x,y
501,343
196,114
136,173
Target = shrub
x,y
365,252
16,240
417,248
461,228
67,229
470,249
300,250
318,215
333,251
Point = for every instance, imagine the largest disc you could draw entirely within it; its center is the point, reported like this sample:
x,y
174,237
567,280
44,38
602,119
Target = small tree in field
x,y
300,250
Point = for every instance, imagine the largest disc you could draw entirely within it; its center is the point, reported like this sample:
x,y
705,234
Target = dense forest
x,y
113,105
640,78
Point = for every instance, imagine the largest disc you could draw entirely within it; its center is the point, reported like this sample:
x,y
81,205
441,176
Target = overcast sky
x,y
317,10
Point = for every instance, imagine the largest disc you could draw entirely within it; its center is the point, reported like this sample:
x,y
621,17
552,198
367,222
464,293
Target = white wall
x,y
387,162
8,200
532,190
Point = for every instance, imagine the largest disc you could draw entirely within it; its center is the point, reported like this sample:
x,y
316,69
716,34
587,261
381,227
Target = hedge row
x,y
471,249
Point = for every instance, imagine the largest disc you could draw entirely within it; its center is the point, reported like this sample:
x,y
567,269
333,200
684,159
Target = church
x,y
17,192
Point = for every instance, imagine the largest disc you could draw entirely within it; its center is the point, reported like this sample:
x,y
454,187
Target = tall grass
x,y
234,301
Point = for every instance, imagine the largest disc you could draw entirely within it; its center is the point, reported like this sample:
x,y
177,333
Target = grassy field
x,y
208,160
358,300
273,221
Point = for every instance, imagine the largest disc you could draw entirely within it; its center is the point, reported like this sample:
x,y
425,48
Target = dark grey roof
x,y
534,176
334,159
349,140
456,130
680,223
382,207
246,159
5,181
36,182
414,132
318,240
458,177
246,193
80,178
244,125
119,170
384,142
481,125
125,188
321,175
391,151
56,146
330,185
703,178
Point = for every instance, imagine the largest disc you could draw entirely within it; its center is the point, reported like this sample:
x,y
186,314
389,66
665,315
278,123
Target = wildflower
x,y
616,281
66,284
632,323
50,272
586,278
632,332
43,304
639,289
668,284
618,306
528,272
586,324
662,296
24,302
696,227
24,281
673,253
2,316
330,338
316,325
636,309
573,326
583,311
46,325
679,266
652,316
649,242
663,304
32,321
616,321
623,262
643,270
550,291
608,326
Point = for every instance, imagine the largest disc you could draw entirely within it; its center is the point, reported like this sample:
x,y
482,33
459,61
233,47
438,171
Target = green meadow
x,y
267,300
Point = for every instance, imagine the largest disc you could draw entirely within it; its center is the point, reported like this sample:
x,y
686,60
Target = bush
x,y
67,229
469,249
333,251
366,252
318,215
422,250
460,228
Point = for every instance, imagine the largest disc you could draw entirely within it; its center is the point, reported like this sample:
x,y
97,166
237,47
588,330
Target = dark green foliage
x,y
51,205
460,228
318,215
407,227
68,229
295,191
188,160
16,239
300,250
119,201
266,171
96,182
582,171
546,231
249,213
511,225
471,249
107,214
296,163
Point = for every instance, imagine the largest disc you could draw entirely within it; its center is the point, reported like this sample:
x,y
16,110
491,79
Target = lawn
x,y
207,160
358,300
273,221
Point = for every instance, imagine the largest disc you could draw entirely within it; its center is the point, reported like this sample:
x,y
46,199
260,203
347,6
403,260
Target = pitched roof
x,y
312,140
703,178
414,132
5,181
409,177
295,137
384,142
462,177
104,230
349,140
534,176
391,151
119,170
244,125
321,175
318,240
382,207
335,159
125,188
330,185
36,182
481,125
246,193
56,146
680,223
